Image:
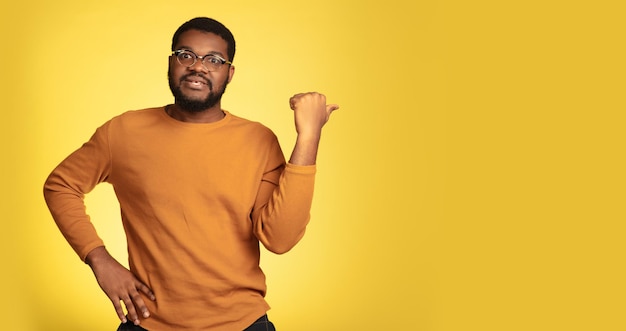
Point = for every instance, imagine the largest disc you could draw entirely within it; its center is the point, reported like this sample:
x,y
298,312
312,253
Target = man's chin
x,y
194,105
195,102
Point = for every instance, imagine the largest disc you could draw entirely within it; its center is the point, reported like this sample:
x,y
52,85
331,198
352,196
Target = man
x,y
198,188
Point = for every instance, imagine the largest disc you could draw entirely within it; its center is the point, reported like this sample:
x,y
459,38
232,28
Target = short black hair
x,y
208,25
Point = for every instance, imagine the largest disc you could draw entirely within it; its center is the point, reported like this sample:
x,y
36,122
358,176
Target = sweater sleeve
x,y
283,208
66,186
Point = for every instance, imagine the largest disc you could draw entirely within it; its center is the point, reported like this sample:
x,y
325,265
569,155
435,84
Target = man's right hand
x,y
119,284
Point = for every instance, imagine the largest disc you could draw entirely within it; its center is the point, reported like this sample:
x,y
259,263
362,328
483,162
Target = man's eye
x,y
214,60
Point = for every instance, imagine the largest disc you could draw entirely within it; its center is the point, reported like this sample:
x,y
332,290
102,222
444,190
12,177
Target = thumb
x,y
331,108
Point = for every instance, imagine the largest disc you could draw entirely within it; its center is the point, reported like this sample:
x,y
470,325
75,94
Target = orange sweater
x,y
196,200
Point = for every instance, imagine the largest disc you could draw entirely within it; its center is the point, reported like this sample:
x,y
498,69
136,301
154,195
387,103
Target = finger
x,y
119,310
146,290
331,108
132,312
321,97
292,103
140,305
293,100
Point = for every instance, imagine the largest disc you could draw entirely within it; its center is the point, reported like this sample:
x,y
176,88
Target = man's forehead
x,y
202,42
199,36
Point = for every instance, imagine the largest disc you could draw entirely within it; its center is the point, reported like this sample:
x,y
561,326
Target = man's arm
x,y
283,208
64,191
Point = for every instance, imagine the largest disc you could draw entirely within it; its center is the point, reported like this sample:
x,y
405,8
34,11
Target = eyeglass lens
x,y
188,59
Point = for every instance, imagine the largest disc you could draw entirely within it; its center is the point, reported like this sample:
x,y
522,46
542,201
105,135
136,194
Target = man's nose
x,y
199,66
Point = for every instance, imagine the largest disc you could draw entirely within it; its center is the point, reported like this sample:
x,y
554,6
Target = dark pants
x,y
262,324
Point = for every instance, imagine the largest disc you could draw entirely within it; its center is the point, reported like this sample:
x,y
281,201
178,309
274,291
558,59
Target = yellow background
x,y
473,178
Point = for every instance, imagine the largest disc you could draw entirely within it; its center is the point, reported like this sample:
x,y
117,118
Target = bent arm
x,y
64,192
281,222
66,186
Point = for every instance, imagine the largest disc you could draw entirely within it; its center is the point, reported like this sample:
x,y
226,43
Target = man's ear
x,y
231,72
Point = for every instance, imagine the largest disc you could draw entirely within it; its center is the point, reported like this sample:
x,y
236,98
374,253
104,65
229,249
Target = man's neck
x,y
209,115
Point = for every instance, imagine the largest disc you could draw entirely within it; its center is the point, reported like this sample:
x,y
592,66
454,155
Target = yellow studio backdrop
x,y
473,178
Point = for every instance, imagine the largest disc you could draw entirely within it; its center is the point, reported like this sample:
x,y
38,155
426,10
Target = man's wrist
x,y
96,255
309,137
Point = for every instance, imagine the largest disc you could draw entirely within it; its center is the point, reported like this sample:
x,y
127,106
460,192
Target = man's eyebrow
x,y
187,48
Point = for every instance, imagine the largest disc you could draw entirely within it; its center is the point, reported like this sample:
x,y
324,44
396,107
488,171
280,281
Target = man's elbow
x,y
279,249
283,245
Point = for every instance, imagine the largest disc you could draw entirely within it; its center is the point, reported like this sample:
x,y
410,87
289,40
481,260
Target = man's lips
x,y
196,81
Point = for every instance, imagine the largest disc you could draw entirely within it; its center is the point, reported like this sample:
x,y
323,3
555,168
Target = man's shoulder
x,y
250,124
138,117
140,113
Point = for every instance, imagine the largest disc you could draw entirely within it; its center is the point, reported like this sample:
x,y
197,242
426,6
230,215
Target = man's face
x,y
195,88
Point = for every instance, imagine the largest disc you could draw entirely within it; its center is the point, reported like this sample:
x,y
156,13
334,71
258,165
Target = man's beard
x,y
195,105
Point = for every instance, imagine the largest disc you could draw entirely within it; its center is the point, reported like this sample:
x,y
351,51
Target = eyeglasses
x,y
210,61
